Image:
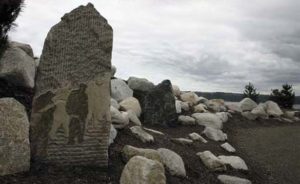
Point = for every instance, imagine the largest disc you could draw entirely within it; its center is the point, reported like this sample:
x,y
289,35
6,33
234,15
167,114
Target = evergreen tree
x,y
250,92
9,11
284,97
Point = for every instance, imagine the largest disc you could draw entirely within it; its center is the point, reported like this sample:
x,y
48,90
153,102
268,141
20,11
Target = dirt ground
x,y
242,134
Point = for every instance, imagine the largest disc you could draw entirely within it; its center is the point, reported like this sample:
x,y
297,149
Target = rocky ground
x,y
259,169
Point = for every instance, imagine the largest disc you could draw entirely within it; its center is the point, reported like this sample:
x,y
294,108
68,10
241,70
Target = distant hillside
x,y
235,97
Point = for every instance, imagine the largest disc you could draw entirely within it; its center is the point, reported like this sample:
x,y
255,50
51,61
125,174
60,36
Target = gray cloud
x,y
206,45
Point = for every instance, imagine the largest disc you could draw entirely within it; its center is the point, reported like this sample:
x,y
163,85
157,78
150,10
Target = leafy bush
x,y
9,11
284,97
250,92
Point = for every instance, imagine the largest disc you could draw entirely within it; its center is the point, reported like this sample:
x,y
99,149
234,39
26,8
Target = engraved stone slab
x,y
14,137
70,121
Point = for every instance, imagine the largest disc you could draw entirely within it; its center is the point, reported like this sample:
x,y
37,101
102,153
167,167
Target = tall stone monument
x,y
70,120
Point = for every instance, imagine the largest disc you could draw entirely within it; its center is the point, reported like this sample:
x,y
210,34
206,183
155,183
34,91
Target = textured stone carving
x,y
70,121
14,137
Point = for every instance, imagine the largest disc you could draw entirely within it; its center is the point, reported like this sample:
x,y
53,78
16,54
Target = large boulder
x,y
247,104
133,118
208,120
118,119
190,97
211,161
273,109
14,137
223,116
172,161
159,105
141,84
215,105
184,106
120,90
17,67
25,47
249,115
142,170
132,104
178,106
130,151
215,134
114,103
70,120
260,111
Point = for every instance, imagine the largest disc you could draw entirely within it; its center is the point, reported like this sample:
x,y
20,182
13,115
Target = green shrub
x,y
284,97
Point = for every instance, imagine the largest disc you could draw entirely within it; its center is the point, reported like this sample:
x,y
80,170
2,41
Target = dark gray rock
x,y
70,121
159,105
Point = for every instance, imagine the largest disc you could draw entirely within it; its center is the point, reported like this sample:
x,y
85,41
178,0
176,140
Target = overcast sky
x,y
203,45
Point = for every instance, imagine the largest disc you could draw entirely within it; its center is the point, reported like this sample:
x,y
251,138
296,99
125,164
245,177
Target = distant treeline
x,y
235,97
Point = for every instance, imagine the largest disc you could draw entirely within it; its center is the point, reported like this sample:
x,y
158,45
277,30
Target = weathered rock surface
x,y
208,120
226,146
225,179
196,137
211,161
132,104
113,134
172,161
17,67
141,134
273,109
182,141
184,106
249,115
133,118
153,131
130,151
223,116
70,122
247,104
178,106
118,119
141,170
215,105
141,84
25,47
200,108
114,103
176,90
235,162
14,137
120,90
186,120
159,105
190,97
214,134
260,111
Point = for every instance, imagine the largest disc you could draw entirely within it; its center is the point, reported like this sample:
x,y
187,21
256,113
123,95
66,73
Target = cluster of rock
x,y
269,109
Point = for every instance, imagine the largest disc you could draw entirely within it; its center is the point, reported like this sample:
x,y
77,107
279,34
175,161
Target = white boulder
x,y
208,120
190,97
118,119
260,111
196,137
186,120
249,115
178,106
133,118
226,146
140,84
114,103
184,106
141,170
211,161
120,90
273,109
200,108
176,90
226,179
132,104
215,134
139,133
172,161
235,162
130,151
247,104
